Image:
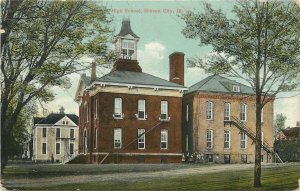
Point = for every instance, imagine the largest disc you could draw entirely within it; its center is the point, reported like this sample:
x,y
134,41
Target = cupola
x,y
126,42
126,49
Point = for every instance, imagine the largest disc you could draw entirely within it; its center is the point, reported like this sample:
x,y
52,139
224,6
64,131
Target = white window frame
x,y
141,139
45,148
209,110
242,158
117,138
73,133
227,139
58,153
243,112
43,132
71,143
125,45
226,111
164,139
58,140
243,140
209,138
164,111
118,108
187,112
141,108
58,128
236,88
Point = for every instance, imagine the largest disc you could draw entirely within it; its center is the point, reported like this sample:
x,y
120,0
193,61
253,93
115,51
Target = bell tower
x,y
126,42
126,49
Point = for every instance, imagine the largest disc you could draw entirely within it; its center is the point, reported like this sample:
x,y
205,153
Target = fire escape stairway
x,y
133,141
265,145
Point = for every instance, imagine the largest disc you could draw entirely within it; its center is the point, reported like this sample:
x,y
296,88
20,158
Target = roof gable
x,y
66,121
54,118
84,82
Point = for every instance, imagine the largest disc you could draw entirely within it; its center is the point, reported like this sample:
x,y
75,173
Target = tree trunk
x,y
257,167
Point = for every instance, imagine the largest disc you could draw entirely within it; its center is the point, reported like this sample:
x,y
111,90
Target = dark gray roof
x,y
54,118
86,80
219,84
138,78
126,29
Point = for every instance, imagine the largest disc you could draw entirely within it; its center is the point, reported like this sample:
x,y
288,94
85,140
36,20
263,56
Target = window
x,y
209,110
127,49
227,159
65,122
164,139
243,112
57,148
57,133
226,111
72,133
244,158
243,140
118,108
96,108
44,148
141,109
117,138
71,148
209,139
86,112
226,139
164,110
235,88
141,138
187,112
44,132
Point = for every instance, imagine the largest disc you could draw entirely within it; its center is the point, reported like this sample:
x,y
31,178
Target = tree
x,y
44,41
259,44
21,134
279,123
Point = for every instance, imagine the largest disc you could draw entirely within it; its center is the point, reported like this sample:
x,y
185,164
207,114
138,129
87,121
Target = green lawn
x,y
275,178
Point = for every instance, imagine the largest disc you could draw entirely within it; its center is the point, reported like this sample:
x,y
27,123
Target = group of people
x,y
193,157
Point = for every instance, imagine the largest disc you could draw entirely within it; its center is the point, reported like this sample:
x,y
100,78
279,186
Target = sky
x,y
158,25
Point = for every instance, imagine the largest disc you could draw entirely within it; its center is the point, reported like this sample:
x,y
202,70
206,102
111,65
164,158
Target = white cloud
x,y
152,59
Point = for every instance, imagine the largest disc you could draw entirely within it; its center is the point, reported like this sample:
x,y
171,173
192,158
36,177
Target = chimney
x,y
177,68
93,72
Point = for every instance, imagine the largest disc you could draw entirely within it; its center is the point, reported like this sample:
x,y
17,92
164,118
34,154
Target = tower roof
x,y
126,29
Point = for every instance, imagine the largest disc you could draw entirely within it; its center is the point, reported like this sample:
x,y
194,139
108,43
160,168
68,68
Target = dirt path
x,y
117,176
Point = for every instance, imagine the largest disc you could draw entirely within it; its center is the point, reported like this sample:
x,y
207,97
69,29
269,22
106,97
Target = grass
x,y
273,177
277,178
